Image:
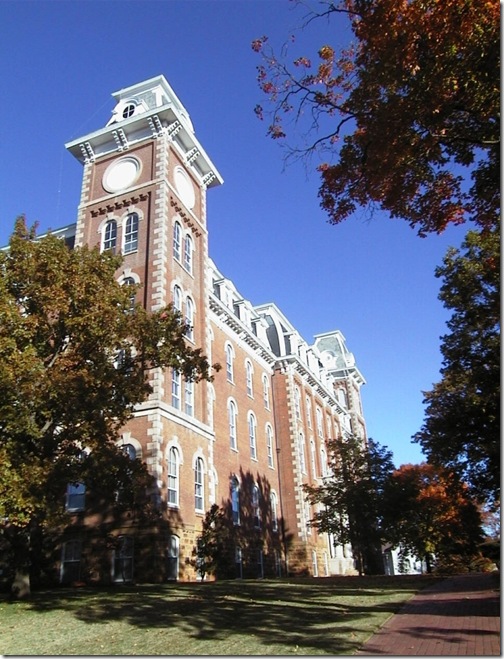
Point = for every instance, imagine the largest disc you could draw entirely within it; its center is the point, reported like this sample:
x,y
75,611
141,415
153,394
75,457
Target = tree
x,y
350,501
406,113
74,363
214,547
432,515
462,418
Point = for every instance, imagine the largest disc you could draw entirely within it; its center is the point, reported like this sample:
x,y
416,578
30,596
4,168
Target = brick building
x,y
251,438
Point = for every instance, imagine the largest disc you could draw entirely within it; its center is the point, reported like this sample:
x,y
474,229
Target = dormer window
x,y
128,110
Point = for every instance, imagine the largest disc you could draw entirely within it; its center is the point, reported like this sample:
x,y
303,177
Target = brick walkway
x,y
458,616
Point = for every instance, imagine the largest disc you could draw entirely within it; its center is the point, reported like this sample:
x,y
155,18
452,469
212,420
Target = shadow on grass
x,y
319,615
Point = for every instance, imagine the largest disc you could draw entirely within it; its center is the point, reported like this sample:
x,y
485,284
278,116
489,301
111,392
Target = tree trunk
x,y
20,541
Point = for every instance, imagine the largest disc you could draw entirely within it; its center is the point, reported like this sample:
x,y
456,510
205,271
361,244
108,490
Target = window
x,y
232,424
326,563
269,445
301,448
123,559
189,319
252,436
173,477
189,398
131,233
110,236
177,298
323,462
128,110
312,459
172,558
130,451
177,233
238,563
308,412
249,374
198,485
70,561
175,398
75,498
297,403
274,511
129,281
235,499
266,395
229,363
260,564
188,253
256,511
320,429
314,563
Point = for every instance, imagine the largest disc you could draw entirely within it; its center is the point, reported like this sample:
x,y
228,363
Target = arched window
x,y
266,392
177,298
274,511
189,319
177,240
173,477
302,458
123,559
256,508
232,424
131,233
249,373
323,462
129,281
252,436
110,236
320,428
297,403
172,558
313,459
175,397
229,362
189,397
235,499
308,412
198,485
130,451
188,253
269,445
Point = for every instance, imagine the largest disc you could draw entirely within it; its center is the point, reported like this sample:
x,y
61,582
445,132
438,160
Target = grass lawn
x,y
334,616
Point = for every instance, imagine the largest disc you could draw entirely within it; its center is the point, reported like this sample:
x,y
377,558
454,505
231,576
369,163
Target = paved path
x,y
458,616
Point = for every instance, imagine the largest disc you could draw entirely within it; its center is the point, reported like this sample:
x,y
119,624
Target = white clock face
x,y
184,188
121,174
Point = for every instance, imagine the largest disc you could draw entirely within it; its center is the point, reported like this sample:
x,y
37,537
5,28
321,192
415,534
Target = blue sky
x,y
374,280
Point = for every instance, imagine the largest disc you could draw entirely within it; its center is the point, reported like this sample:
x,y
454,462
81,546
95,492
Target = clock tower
x,y
143,195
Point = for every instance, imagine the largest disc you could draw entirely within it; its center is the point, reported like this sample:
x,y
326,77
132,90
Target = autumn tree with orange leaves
x,y
406,118
431,515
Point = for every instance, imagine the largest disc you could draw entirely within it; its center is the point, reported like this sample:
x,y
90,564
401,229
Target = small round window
x,y
121,174
128,110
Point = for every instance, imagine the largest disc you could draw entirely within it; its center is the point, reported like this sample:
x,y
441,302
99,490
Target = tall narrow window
x,y
256,511
302,458
320,428
297,403
173,477
172,558
75,499
274,511
232,424
175,390
131,233
189,319
110,236
252,436
188,253
313,459
189,398
123,559
269,445
266,391
323,462
229,363
177,298
249,374
177,240
71,561
129,281
198,485
308,412
235,499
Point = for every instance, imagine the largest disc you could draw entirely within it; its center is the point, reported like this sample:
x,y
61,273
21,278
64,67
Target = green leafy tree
x,y
462,418
351,500
214,547
74,363
403,115
431,515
